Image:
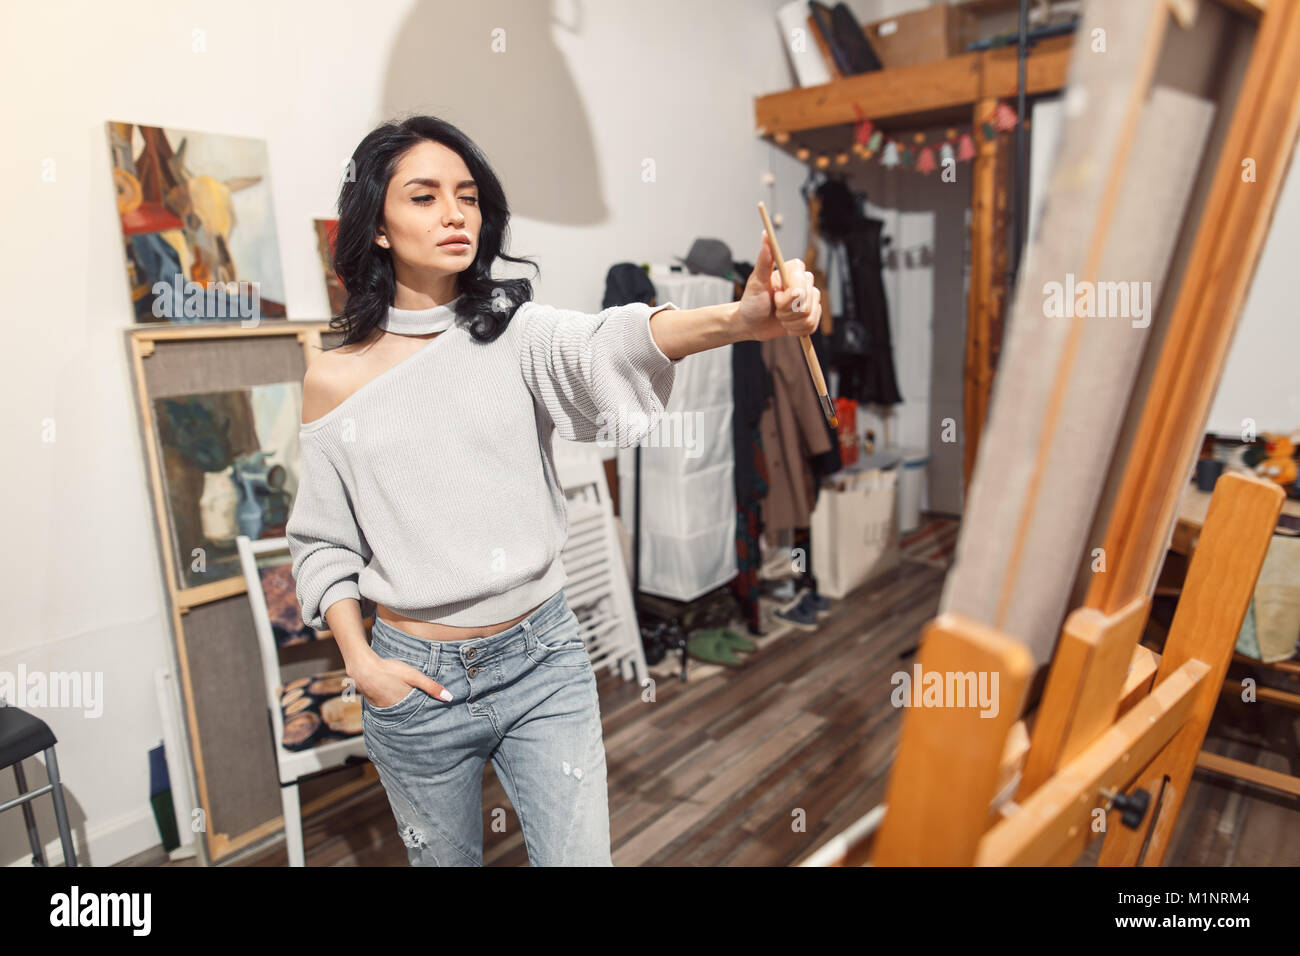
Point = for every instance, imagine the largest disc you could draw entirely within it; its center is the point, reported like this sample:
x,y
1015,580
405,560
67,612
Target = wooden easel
x,y
1117,725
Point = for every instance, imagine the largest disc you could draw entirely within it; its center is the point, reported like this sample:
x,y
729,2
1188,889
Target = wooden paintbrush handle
x,y
809,354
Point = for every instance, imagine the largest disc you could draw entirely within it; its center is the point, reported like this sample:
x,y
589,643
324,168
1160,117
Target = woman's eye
x,y
425,200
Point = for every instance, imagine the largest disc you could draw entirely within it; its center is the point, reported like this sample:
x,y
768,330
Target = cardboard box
x,y
922,36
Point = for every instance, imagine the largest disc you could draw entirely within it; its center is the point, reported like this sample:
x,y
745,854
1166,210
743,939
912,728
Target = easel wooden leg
x,y
1220,581
946,771
1065,806
1083,688
1082,698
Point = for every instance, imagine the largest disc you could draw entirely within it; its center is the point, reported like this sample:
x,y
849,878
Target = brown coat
x,y
793,432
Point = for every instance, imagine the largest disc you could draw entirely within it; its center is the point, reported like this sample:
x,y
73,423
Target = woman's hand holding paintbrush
x,y
768,310
793,303
780,299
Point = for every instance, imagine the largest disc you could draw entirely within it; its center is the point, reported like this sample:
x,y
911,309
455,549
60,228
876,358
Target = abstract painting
x,y
281,594
326,230
197,225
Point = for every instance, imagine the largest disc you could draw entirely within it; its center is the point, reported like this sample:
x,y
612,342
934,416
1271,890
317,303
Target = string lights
x,y
921,152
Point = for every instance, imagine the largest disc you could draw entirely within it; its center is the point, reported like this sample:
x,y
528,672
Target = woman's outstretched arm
x,y
765,311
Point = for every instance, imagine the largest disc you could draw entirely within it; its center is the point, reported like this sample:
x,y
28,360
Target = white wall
x,y
568,115
1261,379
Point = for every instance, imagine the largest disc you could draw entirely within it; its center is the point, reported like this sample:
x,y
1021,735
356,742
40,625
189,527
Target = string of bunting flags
x,y
922,153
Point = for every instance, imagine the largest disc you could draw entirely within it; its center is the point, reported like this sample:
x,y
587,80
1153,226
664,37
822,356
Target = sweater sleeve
x,y
600,377
328,548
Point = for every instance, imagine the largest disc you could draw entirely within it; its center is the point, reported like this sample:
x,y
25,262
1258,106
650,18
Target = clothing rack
x,y
674,618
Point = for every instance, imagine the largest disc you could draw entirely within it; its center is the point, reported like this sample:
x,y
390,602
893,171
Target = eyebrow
x,y
434,184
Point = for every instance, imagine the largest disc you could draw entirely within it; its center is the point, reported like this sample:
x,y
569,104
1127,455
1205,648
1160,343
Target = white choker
x,y
437,318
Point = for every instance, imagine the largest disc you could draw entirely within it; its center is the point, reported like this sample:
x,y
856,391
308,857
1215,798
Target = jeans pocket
x,y
560,646
415,696
390,708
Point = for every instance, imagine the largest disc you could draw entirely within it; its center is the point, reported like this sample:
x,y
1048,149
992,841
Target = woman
x,y
428,484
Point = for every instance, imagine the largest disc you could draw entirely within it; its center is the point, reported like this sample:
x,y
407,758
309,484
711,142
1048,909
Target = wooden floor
x,y
760,765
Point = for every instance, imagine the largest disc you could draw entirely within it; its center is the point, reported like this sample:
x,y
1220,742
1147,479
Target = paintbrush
x,y
810,356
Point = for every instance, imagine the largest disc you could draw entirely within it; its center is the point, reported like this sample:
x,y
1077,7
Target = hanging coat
x,y
868,378
794,431
861,341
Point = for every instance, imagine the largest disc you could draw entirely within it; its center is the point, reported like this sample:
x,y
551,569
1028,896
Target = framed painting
x,y
229,467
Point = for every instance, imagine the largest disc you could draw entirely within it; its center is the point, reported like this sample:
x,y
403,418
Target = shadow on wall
x,y
491,68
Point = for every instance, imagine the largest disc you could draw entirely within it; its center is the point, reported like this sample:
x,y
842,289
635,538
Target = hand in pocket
x,y
387,682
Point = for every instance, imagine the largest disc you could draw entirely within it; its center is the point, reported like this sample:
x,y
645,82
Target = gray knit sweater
x,y
432,488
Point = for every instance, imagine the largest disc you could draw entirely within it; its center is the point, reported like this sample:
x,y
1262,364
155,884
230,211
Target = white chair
x,y
325,752
597,589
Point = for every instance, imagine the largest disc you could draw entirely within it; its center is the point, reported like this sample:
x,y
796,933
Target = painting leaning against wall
x,y
326,231
229,467
197,225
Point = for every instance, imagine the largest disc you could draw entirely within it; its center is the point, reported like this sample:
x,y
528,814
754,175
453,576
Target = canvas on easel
x,y
1113,740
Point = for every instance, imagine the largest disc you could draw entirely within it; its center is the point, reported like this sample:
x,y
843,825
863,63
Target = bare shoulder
x,y
327,383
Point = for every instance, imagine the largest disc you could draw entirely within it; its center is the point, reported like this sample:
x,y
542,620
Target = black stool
x,y
22,736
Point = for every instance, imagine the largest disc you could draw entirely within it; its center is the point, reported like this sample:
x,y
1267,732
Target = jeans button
x,y
473,671
469,654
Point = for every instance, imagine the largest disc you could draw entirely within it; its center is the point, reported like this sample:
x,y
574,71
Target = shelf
x,y
930,94
914,96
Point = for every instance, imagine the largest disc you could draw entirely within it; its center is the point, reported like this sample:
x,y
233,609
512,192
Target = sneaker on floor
x,y
799,614
817,603
776,565
785,591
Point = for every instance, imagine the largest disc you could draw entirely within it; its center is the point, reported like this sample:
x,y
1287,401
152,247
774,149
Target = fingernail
x,y
445,695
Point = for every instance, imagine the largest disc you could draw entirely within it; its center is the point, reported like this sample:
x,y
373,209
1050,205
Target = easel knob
x,y
1132,807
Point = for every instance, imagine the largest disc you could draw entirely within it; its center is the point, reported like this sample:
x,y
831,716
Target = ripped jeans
x,y
525,699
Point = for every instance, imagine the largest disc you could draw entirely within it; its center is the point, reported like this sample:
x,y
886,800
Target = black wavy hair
x,y
366,269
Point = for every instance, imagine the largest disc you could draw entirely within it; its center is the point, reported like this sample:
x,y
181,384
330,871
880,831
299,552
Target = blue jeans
x,y
525,699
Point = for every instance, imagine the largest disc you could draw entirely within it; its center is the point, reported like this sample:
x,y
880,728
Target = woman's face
x,y
431,199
